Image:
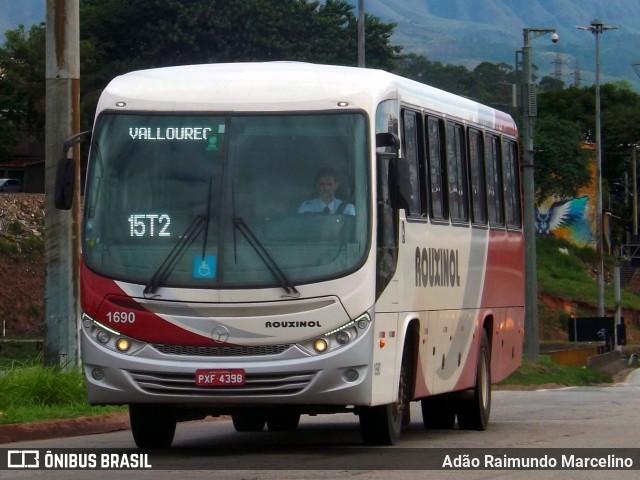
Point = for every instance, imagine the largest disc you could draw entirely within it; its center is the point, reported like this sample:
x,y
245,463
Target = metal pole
x,y
617,296
361,19
529,112
599,242
62,228
531,334
597,27
634,205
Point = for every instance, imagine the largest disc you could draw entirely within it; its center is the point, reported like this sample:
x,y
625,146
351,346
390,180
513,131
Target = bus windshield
x,y
205,201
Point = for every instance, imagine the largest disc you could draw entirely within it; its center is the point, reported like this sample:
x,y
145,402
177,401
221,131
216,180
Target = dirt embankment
x,y
22,265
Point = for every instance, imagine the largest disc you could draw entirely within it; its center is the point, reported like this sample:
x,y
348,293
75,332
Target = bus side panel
x,y
453,349
504,293
387,355
508,352
423,378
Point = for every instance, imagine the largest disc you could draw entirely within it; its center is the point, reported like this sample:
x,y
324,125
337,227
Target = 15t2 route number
x,y
149,225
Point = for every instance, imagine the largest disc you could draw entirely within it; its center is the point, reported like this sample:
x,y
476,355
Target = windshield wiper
x,y
197,225
264,255
191,233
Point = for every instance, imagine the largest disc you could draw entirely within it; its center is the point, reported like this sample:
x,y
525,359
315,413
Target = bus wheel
x,y
282,421
249,420
381,425
473,412
152,425
438,413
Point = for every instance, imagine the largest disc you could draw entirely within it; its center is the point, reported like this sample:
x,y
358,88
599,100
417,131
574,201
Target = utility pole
x,y
361,18
529,113
597,27
62,228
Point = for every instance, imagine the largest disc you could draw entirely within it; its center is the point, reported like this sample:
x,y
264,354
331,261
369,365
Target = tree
x,y
620,110
562,167
117,36
22,92
121,35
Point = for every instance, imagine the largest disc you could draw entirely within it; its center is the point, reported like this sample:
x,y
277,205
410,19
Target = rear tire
x,y
473,412
153,425
438,413
381,425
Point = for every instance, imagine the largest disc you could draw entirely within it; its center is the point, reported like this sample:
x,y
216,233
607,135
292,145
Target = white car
x,y
10,185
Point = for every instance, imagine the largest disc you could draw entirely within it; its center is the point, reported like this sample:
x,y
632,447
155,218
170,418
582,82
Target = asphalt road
x,y
330,446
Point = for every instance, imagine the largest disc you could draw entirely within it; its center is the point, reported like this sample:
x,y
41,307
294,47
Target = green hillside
x,y
567,286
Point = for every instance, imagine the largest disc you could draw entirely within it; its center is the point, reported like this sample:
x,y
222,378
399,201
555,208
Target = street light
x,y
529,112
597,27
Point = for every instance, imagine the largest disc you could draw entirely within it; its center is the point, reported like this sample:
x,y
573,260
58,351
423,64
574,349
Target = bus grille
x,y
272,384
239,351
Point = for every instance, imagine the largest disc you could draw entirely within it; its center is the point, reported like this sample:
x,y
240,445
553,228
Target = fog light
x,y
320,345
350,375
103,337
123,344
97,373
343,337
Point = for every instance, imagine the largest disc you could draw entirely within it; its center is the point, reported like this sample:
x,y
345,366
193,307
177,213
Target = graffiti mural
x,y
565,219
574,219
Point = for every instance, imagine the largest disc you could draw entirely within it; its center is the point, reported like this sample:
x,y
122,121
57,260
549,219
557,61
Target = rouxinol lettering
x,y
297,324
437,267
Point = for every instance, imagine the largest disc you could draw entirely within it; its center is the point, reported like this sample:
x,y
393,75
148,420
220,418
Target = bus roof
x,y
284,86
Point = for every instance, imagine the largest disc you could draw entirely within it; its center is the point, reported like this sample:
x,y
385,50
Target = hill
x,y
467,32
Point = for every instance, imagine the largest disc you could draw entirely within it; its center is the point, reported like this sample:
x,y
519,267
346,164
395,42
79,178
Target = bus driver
x,y
326,202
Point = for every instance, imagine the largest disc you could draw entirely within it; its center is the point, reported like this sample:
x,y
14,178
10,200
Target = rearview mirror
x,y
66,173
65,184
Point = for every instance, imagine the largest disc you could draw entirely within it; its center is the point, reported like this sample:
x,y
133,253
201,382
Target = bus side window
x,y
410,133
456,173
511,183
436,170
493,164
477,178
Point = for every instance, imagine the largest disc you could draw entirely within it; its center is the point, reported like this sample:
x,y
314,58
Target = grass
x,y
571,275
31,392
547,372
37,393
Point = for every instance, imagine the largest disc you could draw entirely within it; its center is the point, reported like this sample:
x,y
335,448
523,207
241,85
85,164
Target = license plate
x,y
220,378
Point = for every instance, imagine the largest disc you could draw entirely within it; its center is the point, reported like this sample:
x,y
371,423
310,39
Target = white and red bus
x,y
205,289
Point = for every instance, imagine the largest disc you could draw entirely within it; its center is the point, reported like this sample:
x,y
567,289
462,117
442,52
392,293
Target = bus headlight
x,y
108,337
339,337
123,344
320,345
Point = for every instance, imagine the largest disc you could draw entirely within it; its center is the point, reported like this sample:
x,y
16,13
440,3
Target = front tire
x,y
473,412
381,425
282,421
153,425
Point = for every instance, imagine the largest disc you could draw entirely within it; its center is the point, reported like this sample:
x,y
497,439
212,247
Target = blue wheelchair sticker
x,y
205,267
